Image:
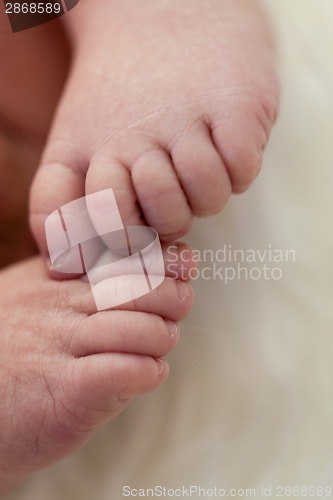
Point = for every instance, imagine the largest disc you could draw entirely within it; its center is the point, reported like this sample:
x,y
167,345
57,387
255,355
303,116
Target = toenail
x,y
48,263
160,365
172,327
183,290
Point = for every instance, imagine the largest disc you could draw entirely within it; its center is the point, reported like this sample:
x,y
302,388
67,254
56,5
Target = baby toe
x,y
126,332
103,384
160,195
241,133
201,171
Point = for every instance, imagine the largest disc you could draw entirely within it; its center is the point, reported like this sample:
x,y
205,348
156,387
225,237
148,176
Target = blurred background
x,y
249,401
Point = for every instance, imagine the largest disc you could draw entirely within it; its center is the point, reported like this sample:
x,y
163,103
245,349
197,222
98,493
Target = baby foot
x,y
66,369
168,103
28,96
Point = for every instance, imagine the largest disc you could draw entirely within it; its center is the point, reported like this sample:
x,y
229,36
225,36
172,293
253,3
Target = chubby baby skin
x,y
66,369
169,103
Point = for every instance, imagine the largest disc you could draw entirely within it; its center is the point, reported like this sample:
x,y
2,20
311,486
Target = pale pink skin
x,y
65,369
171,104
